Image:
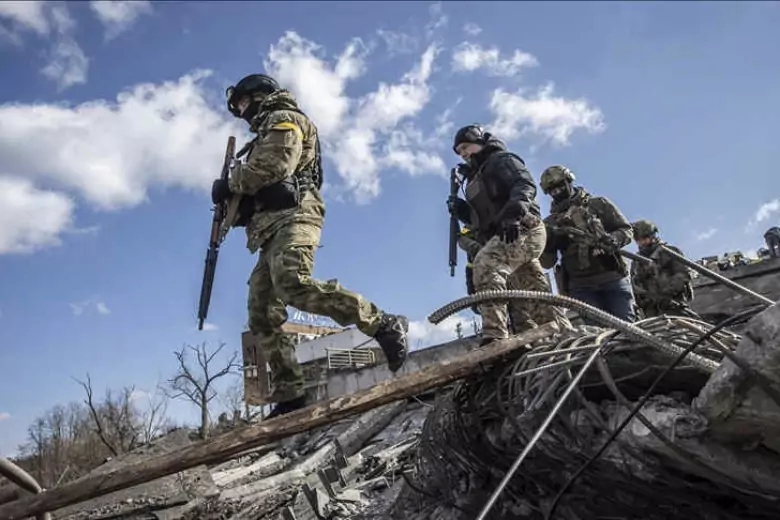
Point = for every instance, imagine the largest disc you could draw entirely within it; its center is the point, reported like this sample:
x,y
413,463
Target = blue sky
x,y
112,125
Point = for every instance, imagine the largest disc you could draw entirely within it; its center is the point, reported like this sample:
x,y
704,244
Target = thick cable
x,y
590,311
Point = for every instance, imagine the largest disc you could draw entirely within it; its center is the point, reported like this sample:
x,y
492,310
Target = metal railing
x,y
350,358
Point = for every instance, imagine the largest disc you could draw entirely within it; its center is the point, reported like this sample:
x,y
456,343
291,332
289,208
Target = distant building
x,y
321,349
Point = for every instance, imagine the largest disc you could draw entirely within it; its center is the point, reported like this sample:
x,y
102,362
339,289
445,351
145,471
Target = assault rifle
x,y
218,231
454,224
579,235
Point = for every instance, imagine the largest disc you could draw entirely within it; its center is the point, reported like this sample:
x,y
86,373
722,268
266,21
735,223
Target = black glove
x,y
220,191
509,231
454,205
608,242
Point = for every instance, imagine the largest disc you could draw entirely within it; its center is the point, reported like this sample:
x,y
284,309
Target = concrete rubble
x,y
350,469
704,442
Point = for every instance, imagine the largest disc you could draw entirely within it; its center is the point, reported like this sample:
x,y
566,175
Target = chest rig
x,y
284,194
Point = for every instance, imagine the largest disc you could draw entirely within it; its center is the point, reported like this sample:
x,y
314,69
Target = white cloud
x,y
26,15
543,115
423,333
766,210
438,20
78,308
209,326
705,235
359,132
4,416
31,218
140,395
118,15
67,65
112,152
468,57
472,29
398,42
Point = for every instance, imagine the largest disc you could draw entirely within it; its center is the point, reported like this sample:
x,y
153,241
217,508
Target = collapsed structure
x,y
674,418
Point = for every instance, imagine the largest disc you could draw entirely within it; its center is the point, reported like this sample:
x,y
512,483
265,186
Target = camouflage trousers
x,y
282,277
500,266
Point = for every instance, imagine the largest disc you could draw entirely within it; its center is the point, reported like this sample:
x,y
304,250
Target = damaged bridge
x,y
669,418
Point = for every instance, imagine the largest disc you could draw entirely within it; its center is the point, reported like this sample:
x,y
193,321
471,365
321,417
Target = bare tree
x,y
476,326
154,418
98,421
232,399
196,384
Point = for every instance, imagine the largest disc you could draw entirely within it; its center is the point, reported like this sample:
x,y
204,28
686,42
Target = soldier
x,y
279,185
587,231
501,209
772,238
665,286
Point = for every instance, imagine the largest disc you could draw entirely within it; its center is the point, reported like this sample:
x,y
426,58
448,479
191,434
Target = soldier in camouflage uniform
x,y
283,211
665,286
587,231
470,245
502,211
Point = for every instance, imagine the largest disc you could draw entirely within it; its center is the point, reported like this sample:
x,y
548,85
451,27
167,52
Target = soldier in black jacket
x,y
501,209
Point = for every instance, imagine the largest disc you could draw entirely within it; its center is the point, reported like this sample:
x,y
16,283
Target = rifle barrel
x,y
214,240
715,276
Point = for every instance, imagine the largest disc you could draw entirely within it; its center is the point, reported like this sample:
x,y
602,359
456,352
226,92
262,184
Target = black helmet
x,y
470,134
250,85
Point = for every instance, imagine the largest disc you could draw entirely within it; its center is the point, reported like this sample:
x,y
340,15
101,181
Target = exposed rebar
x,y
597,315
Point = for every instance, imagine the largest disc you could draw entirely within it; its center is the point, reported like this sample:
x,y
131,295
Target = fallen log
x,y
236,441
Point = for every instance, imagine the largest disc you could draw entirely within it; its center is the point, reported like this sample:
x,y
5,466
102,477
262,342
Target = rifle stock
x,y
217,235
454,224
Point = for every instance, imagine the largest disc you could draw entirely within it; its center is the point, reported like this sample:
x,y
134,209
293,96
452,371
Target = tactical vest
x,y
483,209
284,194
645,271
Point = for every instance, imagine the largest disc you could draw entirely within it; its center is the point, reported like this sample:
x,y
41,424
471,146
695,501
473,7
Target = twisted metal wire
x,y
475,433
567,302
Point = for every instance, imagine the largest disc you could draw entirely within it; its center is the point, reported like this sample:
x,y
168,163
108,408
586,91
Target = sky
x,y
113,125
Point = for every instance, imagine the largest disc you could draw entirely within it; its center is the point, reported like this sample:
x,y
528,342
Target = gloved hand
x,y
220,191
452,205
608,243
509,231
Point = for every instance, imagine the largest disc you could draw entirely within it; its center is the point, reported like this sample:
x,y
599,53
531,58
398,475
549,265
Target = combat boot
x,y
285,407
391,336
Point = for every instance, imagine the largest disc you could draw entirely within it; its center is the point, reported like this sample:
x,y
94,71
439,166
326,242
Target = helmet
x,y
249,86
644,228
470,134
555,175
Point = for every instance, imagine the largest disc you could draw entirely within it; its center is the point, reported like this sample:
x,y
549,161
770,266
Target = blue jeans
x,y
615,297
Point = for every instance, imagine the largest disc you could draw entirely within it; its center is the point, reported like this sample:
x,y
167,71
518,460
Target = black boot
x,y
285,407
391,336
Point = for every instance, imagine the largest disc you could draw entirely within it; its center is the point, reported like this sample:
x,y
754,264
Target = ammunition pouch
x,y
285,194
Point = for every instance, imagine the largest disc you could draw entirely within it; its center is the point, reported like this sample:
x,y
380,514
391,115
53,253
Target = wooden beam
x,y
228,444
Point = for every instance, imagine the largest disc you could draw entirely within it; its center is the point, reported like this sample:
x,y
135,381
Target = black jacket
x,y
508,185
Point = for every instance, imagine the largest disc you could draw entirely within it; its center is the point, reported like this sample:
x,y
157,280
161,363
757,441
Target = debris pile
x,y
676,421
702,446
